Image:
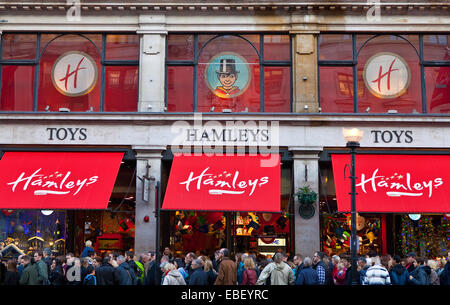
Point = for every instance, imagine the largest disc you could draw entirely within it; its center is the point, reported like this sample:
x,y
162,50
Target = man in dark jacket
x,y
105,273
445,275
29,274
307,275
322,271
420,275
411,257
123,274
198,276
399,275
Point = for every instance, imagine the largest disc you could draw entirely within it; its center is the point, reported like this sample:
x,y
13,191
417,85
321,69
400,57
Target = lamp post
x,y
353,137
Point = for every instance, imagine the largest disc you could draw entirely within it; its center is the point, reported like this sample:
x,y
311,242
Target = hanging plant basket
x,y
306,196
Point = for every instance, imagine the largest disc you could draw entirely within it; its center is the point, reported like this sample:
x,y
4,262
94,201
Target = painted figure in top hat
x,y
227,75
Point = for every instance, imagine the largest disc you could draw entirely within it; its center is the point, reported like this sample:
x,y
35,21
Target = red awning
x,y
57,180
224,183
394,183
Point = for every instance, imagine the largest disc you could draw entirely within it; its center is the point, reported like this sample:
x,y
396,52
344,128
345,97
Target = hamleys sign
x,y
394,183
57,180
223,183
386,75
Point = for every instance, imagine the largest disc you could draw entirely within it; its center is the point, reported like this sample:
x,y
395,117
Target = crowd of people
x,y
43,268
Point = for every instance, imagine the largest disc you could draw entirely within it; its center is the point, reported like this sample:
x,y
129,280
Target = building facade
x,y
151,79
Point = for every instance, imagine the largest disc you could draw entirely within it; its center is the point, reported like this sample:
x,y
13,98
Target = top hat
x,y
227,66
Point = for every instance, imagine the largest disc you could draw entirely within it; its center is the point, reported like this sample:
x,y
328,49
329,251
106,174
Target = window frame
x,y
354,63
262,64
36,62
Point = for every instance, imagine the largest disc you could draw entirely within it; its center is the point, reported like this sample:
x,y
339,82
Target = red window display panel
x,y
121,88
180,89
70,74
394,183
19,46
277,47
224,183
277,89
17,88
180,47
57,180
335,47
437,81
436,47
336,89
228,76
122,47
390,69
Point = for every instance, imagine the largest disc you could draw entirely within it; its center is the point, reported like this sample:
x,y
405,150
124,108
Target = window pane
x,y
180,47
228,76
390,69
122,47
436,47
336,89
277,47
19,46
180,89
277,89
121,88
70,74
17,88
438,89
335,47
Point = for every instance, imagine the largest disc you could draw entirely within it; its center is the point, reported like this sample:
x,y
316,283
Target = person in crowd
x,y
56,273
239,258
398,273
410,258
47,257
444,278
41,268
227,274
153,276
363,266
434,278
335,259
11,276
322,270
20,264
85,263
208,268
172,275
280,273
198,276
298,262
105,273
339,275
167,252
307,275
72,269
440,267
377,274
90,278
420,274
129,257
188,262
29,274
143,259
249,275
123,274
87,249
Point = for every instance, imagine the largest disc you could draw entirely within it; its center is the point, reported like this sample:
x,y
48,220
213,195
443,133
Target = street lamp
x,y
353,136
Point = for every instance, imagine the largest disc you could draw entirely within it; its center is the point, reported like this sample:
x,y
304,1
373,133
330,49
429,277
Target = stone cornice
x,y
248,6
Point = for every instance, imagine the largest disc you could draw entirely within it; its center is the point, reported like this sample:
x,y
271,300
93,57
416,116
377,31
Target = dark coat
x,y
212,275
124,275
29,276
307,276
399,275
445,275
420,276
11,278
105,274
56,276
198,277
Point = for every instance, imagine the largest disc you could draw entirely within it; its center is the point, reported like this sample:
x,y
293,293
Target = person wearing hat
x,y
411,257
227,75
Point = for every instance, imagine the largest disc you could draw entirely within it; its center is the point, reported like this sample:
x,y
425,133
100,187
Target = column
x,y
306,172
305,73
152,63
145,232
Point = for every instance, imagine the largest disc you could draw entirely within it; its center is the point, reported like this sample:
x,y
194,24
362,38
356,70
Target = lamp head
x,y
353,135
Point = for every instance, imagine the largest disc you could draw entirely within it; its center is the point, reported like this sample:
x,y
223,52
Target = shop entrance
x,y
205,232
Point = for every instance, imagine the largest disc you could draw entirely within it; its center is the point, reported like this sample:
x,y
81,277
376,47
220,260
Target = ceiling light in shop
x,y
414,216
47,212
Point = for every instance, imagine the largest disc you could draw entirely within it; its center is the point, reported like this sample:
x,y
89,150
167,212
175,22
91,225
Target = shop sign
x,y
394,183
386,75
57,180
223,183
74,73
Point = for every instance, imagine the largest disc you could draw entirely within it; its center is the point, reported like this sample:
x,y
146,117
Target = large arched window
x,y
228,73
367,73
69,72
